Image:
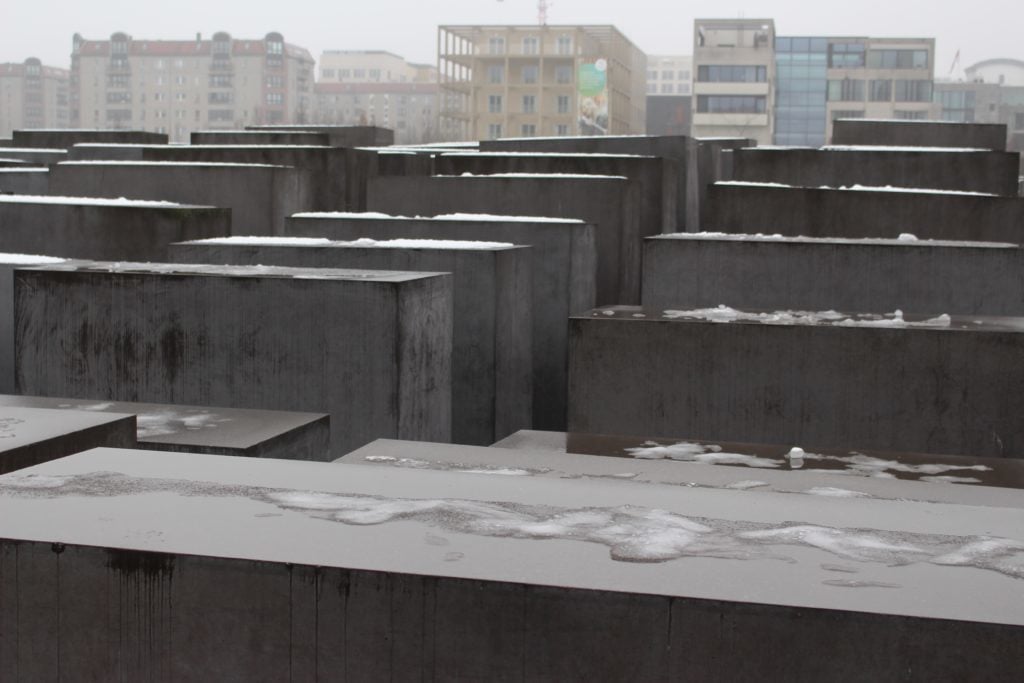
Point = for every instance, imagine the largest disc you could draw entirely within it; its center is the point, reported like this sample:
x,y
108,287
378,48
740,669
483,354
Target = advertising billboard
x,y
592,97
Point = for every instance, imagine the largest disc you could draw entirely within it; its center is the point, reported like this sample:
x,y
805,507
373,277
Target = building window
x,y
666,75
897,59
563,74
683,76
847,114
180,97
374,74
529,104
359,73
345,73
725,73
913,91
846,56
494,104
652,75
1018,121
910,115
667,89
181,80
562,104
496,73
118,97
731,104
880,91
328,73
529,130
221,97
531,45
274,98
563,45
275,47
652,88
220,115
275,82
846,90
561,129
496,45
494,131
118,80
530,73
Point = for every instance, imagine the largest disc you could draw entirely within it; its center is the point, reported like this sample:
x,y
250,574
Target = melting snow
x,y
28,259
372,215
726,314
699,453
88,201
834,492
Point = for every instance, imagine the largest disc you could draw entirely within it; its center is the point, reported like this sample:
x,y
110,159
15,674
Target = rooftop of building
x,y
186,48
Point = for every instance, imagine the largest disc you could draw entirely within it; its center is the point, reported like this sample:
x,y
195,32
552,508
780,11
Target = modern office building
x,y
32,96
539,80
788,90
734,65
669,74
372,66
178,86
993,92
409,109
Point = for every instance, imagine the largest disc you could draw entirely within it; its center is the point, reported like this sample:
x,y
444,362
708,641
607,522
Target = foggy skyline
x,y
980,30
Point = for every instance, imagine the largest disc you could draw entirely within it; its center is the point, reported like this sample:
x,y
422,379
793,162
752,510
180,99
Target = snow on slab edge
x,y
94,201
597,155
115,162
400,243
227,270
906,239
467,217
855,187
28,259
571,176
727,314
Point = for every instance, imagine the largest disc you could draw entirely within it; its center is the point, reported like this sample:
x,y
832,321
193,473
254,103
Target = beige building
x,y
32,96
372,66
176,87
669,74
735,70
409,109
539,80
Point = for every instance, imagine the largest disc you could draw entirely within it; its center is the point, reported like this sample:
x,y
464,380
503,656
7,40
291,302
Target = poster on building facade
x,y
592,96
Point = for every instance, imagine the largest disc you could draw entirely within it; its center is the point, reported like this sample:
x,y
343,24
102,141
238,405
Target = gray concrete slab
x,y
564,271
608,203
492,387
8,262
104,229
30,436
816,212
21,180
754,468
823,381
258,137
919,133
260,196
937,168
375,572
34,155
370,348
657,178
65,138
338,136
202,429
817,274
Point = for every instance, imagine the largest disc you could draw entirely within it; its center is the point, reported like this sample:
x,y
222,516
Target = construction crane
x,y
542,11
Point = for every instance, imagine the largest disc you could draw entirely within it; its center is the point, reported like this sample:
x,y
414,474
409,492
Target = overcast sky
x,y
980,29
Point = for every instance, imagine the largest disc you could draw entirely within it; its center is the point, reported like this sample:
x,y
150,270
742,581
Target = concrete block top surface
x,y
205,270
896,320
27,259
906,240
566,154
97,201
943,561
765,467
854,188
21,426
452,217
174,424
167,164
361,243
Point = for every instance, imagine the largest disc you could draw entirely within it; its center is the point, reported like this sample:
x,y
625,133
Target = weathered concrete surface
x,y
816,212
609,203
401,162
22,180
924,389
230,568
758,468
114,230
199,429
960,170
657,178
372,349
919,133
68,137
818,274
564,278
709,162
338,136
492,387
259,196
30,436
8,262
36,156
337,176
258,137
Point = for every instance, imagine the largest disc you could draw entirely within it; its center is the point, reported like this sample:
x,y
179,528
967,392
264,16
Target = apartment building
x,y
176,87
372,66
669,74
409,109
32,96
733,88
539,80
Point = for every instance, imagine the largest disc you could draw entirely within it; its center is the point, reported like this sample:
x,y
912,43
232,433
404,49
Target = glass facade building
x,y
801,86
